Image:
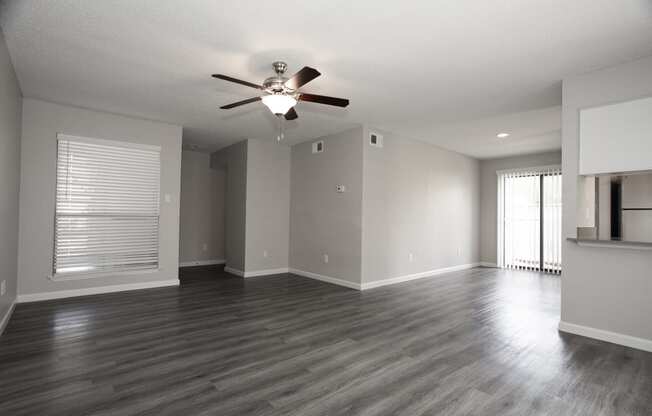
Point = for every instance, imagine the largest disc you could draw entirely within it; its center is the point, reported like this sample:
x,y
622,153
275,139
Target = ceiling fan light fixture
x,y
279,104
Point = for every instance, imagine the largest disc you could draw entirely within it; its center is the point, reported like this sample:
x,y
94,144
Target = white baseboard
x,y
327,279
266,272
5,319
385,282
234,271
59,294
201,263
488,264
255,273
608,336
421,275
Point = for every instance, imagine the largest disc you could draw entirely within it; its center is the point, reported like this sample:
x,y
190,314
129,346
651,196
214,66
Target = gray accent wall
x,y
268,206
41,123
420,208
233,160
323,221
202,212
608,289
10,127
489,194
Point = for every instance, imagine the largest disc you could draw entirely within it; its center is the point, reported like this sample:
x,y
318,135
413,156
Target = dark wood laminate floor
x,y
477,342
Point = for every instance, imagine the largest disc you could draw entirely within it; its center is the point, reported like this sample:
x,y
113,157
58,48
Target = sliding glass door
x,y
529,219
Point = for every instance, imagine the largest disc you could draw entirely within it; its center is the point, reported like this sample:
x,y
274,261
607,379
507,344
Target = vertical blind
x,y
529,219
552,221
107,206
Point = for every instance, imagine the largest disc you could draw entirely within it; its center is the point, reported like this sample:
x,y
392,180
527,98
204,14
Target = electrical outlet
x,y
340,189
325,258
265,254
411,257
204,247
3,287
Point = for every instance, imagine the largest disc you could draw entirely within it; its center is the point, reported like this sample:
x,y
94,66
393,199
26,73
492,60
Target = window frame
x,y
541,172
83,275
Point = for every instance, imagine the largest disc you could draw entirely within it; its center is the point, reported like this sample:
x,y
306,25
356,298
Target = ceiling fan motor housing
x,y
276,84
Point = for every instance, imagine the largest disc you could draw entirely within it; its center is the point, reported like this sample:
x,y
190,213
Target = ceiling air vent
x,y
318,147
375,139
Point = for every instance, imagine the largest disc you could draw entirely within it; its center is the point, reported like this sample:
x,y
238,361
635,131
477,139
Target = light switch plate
x,y
375,139
318,147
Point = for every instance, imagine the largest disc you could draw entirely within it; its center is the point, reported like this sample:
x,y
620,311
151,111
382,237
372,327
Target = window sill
x,y
62,277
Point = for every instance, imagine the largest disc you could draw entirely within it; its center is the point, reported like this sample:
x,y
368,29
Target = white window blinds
x,y
107,206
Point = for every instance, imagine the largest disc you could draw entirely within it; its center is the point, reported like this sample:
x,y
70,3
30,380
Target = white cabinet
x,y
616,138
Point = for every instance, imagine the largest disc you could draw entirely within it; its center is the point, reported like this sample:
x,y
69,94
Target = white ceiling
x,y
529,132
417,68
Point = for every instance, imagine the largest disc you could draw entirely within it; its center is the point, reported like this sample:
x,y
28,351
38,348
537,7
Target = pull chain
x,y
281,130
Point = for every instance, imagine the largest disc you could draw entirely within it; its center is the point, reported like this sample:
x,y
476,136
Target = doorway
x,y
529,219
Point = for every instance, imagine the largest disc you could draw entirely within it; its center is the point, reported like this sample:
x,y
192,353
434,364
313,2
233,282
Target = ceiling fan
x,y
282,94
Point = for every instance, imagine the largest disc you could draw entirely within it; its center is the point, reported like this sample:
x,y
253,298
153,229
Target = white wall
x,y
233,160
606,289
489,194
268,206
10,126
201,209
41,123
418,199
323,221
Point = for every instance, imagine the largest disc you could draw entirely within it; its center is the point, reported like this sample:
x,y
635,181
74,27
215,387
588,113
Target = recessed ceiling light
x,y
502,135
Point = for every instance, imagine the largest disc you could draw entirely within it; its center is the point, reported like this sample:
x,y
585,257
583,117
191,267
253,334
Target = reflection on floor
x,y
476,342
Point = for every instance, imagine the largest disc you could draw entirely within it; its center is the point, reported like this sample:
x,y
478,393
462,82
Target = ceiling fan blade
x,y
291,114
239,103
237,81
323,99
302,77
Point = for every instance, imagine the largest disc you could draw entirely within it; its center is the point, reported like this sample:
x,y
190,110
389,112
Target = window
x,y
529,219
107,206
